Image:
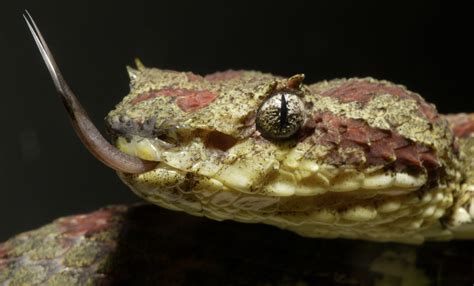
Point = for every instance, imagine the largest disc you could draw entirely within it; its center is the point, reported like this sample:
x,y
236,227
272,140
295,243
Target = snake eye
x,y
280,116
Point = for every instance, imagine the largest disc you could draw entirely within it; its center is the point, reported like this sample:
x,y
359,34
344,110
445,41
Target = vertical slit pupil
x,y
283,112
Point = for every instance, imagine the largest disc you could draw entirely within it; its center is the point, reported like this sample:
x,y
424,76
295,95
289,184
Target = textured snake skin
x,y
146,245
372,159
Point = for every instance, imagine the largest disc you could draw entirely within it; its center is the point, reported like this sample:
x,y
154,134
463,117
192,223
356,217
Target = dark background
x,y
46,173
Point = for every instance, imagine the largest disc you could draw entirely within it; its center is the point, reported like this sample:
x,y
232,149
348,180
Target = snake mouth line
x,y
269,176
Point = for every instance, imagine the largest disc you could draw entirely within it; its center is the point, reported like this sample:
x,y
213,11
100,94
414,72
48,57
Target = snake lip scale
x,y
355,158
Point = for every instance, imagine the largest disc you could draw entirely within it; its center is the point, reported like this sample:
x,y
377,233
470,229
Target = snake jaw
x,y
83,126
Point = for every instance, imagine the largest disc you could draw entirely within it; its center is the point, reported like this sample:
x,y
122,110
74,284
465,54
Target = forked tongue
x,y
85,129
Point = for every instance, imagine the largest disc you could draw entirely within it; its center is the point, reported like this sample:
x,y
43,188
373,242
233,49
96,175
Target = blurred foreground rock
x,y
146,245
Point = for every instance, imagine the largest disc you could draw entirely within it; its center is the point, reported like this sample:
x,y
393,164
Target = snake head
x,y
353,158
205,131
255,147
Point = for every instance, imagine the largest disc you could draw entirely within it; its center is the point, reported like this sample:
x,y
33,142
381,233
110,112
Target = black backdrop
x,y
46,173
